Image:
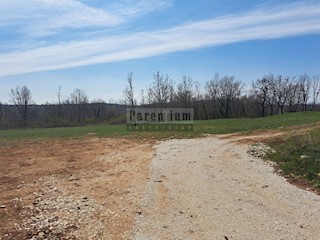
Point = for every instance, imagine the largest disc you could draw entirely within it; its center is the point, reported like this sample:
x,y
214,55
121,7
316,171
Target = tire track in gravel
x,y
213,189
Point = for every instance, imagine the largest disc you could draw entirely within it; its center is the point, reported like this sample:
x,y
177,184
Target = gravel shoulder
x,y
212,188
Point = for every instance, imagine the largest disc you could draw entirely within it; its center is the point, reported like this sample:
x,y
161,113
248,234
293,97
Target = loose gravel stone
x,y
61,215
269,207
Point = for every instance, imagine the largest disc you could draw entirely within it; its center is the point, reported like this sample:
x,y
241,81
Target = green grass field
x,y
247,125
298,156
218,126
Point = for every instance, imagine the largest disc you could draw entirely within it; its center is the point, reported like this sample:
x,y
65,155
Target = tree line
x,y
227,97
220,97
74,110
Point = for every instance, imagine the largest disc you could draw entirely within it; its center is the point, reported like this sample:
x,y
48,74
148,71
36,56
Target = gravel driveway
x,y
213,189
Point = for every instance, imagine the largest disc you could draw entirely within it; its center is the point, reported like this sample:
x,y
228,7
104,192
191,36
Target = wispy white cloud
x,y
39,18
132,8
71,13
265,23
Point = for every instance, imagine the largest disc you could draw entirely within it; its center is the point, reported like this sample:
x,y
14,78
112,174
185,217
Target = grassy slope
x,y
298,156
271,122
219,126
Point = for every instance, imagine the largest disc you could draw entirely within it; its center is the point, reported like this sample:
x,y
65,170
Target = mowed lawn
x,y
217,126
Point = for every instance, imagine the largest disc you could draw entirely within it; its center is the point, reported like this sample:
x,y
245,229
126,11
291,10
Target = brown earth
x,y
61,189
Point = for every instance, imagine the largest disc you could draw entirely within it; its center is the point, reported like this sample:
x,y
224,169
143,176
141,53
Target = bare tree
x,y
142,100
260,90
184,92
197,91
212,93
129,92
305,86
149,95
230,90
280,88
80,101
96,104
276,93
294,95
272,93
171,91
21,98
161,91
224,91
198,99
315,90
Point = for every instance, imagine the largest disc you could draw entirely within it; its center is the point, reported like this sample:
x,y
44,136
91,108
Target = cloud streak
x,y
289,20
39,18
36,19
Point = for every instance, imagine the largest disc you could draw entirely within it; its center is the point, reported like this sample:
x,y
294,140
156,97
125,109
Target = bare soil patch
x,y
265,135
71,189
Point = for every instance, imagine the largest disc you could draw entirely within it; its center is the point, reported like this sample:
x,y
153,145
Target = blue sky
x,y
93,44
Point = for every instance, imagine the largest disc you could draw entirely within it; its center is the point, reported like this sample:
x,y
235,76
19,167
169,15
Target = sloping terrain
x,y
125,188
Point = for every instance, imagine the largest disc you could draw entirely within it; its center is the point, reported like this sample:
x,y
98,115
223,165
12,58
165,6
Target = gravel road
x,y
213,189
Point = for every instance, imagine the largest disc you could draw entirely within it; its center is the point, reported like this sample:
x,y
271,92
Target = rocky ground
x,y
72,189
214,188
